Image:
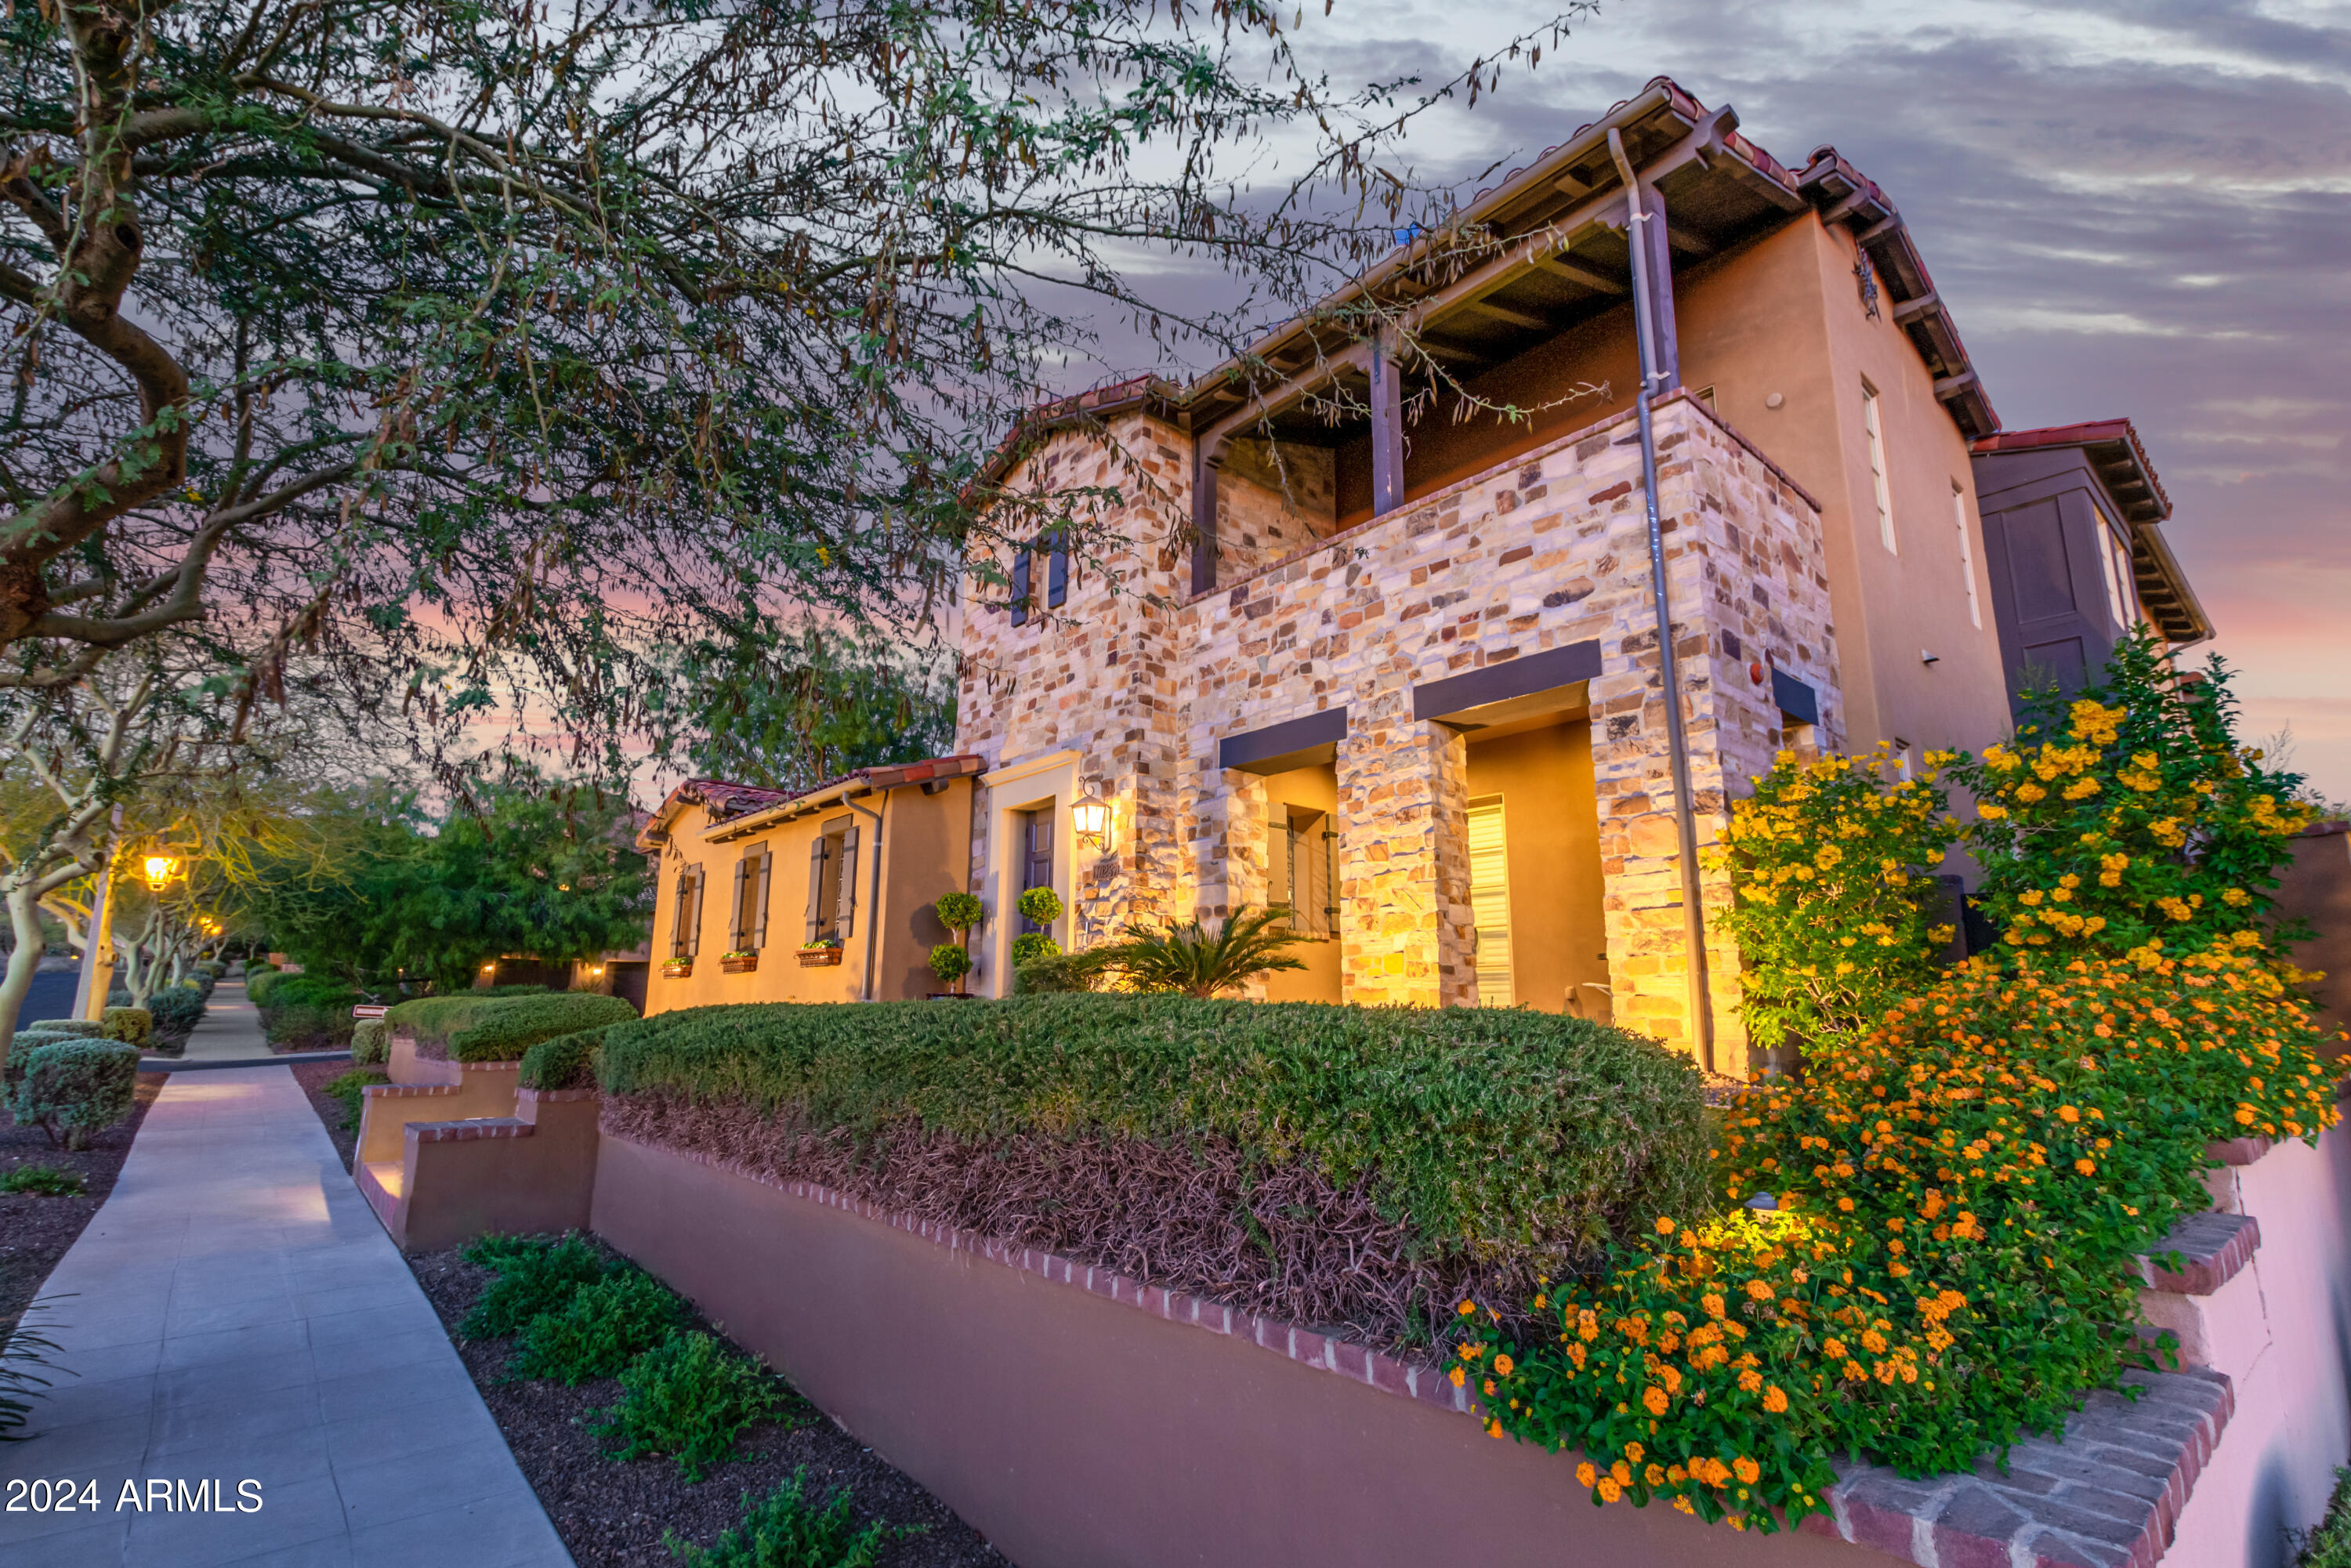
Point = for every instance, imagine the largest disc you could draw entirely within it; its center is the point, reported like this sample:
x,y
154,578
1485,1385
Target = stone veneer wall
x,y
1543,551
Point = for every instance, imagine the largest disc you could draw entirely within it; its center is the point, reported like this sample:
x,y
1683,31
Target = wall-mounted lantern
x,y
161,871
1089,815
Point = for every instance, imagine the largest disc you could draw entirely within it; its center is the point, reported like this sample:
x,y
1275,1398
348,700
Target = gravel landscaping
x,y
35,1228
612,1514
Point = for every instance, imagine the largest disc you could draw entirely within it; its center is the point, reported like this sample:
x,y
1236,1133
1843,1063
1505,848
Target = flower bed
x,y
1333,1166
1962,1198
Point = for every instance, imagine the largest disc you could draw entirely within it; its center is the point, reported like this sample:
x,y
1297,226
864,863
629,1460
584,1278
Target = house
x,y
735,922
2070,521
1348,642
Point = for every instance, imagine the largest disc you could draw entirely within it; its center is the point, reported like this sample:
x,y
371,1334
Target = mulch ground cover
x,y
615,1515
36,1229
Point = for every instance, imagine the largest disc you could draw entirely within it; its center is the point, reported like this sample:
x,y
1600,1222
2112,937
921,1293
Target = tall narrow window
x,y
833,883
1020,588
1057,567
1489,903
1967,553
749,933
1301,872
686,916
2113,563
1873,428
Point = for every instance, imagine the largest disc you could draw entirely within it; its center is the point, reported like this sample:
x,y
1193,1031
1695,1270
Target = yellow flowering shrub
x,y
1962,1195
1833,895
2129,820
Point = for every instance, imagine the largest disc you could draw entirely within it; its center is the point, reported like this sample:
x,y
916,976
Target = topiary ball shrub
x,y
603,1327
176,1010
73,1089
691,1396
132,1026
371,1041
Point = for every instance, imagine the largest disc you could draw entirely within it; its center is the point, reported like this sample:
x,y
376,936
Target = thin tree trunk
x,y
24,921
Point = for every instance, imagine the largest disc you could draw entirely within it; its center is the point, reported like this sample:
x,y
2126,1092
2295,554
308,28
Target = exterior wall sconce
x,y
1089,815
161,870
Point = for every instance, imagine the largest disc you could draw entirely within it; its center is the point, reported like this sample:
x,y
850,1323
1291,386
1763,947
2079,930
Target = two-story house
x,y
1344,649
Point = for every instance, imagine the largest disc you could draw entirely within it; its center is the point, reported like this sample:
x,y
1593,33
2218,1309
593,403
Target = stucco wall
x,y
1079,1430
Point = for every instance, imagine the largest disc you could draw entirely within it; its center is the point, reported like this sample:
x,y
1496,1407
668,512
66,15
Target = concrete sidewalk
x,y
235,1313
231,1027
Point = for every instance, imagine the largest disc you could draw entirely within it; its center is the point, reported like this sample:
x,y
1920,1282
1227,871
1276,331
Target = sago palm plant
x,y
1191,959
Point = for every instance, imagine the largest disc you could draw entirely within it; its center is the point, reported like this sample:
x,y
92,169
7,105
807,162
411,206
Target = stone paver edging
x,y
235,1313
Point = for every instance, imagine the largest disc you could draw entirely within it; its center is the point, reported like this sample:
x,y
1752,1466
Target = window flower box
x,y
819,957
738,963
676,968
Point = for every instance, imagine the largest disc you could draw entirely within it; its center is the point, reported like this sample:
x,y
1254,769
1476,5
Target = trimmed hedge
x,y
371,1041
475,1028
132,1026
176,1010
567,1061
71,1088
1486,1144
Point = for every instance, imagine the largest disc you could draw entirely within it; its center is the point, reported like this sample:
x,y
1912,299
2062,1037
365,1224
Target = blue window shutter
x,y
1020,588
1057,571
1796,700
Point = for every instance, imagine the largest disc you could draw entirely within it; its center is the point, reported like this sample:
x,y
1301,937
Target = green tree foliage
x,y
522,869
790,710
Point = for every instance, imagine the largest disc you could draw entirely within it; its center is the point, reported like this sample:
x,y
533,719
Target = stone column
x,y
1403,867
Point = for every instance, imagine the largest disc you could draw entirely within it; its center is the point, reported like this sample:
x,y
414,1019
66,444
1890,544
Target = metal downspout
x,y
1677,738
874,882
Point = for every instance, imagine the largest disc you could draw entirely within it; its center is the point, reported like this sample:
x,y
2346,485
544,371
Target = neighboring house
x,y
845,873
2070,521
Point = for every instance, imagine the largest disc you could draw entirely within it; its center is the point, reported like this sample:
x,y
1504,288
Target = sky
x,y
2136,208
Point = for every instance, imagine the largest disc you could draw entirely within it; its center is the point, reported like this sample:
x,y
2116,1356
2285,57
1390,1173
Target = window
x,y
1873,428
833,883
1054,547
1057,567
1303,847
1706,396
685,915
2114,565
748,932
1966,554
1020,587
1036,857
1490,902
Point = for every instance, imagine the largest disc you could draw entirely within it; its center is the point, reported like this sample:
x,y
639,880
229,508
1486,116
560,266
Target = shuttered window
x,y
832,883
1489,903
748,929
1874,433
685,915
1020,587
1967,553
1057,567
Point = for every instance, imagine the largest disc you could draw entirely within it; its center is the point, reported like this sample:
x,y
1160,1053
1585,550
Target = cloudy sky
x,y
2133,208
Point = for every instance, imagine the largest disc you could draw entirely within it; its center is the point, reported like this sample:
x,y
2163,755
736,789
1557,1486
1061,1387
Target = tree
x,y
522,867
492,349
791,709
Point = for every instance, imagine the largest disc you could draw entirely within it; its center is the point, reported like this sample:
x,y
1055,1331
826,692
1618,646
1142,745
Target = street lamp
x,y
161,870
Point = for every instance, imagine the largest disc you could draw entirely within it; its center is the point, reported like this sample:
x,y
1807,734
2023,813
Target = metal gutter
x,y
1668,667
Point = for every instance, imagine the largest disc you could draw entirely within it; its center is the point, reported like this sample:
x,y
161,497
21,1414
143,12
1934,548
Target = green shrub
x,y
959,911
305,990
470,1027
691,1396
303,1025
71,1088
177,1011
567,1061
351,1089
371,1040
596,1333
1041,904
1030,947
480,991
23,1349
132,1026
950,963
534,1276
259,984
49,1181
2329,1545
1191,959
785,1529
65,1028
1058,972
1494,1134
507,1028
